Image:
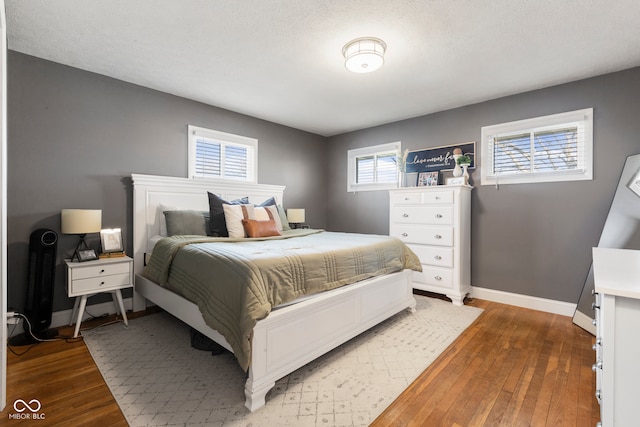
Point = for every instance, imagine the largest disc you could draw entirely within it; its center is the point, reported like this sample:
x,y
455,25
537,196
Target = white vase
x,y
465,174
456,169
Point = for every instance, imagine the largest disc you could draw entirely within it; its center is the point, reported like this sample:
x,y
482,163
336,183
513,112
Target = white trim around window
x,y
552,148
222,156
373,168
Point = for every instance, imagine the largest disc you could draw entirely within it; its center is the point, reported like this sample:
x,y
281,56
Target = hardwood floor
x,y
512,367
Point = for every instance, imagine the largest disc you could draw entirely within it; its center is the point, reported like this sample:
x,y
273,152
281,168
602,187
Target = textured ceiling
x,y
282,60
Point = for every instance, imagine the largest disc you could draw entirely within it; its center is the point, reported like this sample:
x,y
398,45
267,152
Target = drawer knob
x,y
438,257
599,397
437,197
404,234
438,278
594,322
438,236
596,366
438,216
405,215
594,306
406,198
598,342
102,271
101,283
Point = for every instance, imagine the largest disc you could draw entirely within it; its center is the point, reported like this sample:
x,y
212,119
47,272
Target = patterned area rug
x,y
159,380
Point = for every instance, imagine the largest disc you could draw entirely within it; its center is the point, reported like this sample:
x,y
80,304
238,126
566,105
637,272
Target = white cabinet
x,y
435,222
617,304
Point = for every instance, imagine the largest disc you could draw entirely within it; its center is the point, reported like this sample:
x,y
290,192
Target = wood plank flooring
x,y
512,367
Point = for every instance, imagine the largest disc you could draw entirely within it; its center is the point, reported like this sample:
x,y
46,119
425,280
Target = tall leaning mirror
x,y
621,230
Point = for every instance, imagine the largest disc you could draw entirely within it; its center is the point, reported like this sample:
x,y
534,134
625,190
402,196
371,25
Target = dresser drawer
x,y
99,284
444,197
441,277
99,270
439,256
433,215
440,236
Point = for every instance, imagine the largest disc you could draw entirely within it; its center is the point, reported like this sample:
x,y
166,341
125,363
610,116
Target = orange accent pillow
x,y
255,228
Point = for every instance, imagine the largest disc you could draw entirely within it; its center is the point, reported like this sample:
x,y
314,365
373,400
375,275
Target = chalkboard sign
x,y
438,158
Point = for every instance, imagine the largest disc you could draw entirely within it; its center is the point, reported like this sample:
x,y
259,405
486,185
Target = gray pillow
x,y
186,222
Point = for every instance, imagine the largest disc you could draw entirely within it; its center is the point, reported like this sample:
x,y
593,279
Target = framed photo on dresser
x,y
428,179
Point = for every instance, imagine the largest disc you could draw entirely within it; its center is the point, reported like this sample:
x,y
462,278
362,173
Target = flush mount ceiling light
x,y
364,55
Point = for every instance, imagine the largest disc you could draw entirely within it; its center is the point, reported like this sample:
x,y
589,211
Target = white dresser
x,y
616,275
435,222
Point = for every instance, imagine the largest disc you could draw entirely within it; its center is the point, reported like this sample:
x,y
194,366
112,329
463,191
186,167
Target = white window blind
x,y
544,149
373,168
220,155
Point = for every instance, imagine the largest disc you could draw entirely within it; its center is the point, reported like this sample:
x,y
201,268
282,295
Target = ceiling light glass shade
x,y
364,55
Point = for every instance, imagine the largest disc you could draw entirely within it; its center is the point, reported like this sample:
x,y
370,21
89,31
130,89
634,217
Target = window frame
x,y
582,118
225,139
375,150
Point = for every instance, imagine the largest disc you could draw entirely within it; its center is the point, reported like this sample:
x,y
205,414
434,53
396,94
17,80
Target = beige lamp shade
x,y
81,221
295,216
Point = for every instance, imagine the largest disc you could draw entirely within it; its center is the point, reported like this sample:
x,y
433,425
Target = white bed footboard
x,y
293,336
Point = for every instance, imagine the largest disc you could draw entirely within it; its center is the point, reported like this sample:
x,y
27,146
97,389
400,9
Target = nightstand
x,y
85,279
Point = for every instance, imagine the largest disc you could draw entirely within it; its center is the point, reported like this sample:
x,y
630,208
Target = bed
x,y
291,335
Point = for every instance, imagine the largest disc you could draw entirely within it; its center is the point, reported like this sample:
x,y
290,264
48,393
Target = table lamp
x,y
81,222
295,217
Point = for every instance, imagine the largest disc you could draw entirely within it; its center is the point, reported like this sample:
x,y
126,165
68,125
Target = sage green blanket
x,y
236,282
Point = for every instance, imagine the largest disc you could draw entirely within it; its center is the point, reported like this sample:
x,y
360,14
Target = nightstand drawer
x,y
99,284
99,270
435,215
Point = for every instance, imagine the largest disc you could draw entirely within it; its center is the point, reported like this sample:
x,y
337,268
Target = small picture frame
x,y
456,180
428,179
87,255
111,239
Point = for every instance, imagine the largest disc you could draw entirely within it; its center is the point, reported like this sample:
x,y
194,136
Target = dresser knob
x,y
405,215
599,397
438,257
598,342
438,278
594,306
594,322
596,366
438,216
437,236
102,271
404,234
406,198
101,283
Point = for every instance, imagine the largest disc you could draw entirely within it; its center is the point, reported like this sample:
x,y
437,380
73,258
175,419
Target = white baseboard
x,y
584,322
525,301
62,318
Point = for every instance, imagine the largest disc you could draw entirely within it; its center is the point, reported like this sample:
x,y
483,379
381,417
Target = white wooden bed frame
x,y
289,337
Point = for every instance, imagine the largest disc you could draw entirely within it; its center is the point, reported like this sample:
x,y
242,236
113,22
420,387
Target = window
x,y
373,168
220,155
543,149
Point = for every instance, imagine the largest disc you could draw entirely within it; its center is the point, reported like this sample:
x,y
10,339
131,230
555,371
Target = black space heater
x,y
40,280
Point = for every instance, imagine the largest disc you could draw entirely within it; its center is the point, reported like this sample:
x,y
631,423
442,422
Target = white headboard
x,y
149,191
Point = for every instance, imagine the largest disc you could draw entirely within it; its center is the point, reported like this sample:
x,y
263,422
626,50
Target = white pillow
x,y
266,213
233,216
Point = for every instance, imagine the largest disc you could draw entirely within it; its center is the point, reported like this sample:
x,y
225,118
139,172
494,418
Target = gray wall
x,y
74,137
531,239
